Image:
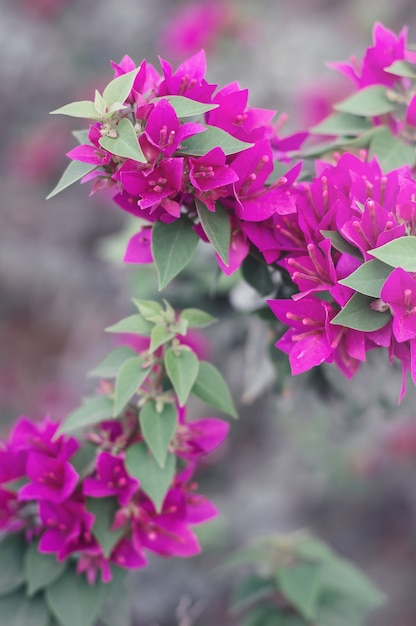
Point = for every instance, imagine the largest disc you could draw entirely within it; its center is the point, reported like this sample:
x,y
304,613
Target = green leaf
x,y
342,245
150,310
401,68
173,246
158,429
154,480
182,366
342,124
82,136
212,137
75,171
359,315
196,318
257,274
111,364
211,387
94,410
217,227
130,377
12,563
125,144
250,590
400,252
104,510
268,614
300,584
84,457
344,578
185,107
369,102
82,108
390,151
311,548
133,324
73,601
41,569
116,610
17,609
117,91
159,336
368,278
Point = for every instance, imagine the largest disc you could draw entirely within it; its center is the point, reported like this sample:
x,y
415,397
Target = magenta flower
x,y
9,511
188,80
139,248
111,480
164,131
52,479
198,438
92,564
64,523
89,154
399,292
128,554
210,171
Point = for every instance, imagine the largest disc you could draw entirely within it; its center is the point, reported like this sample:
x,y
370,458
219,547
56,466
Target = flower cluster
x,y
45,492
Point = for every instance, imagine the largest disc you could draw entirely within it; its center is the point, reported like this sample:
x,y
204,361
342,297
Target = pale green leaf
x,y
134,324
129,378
41,569
154,480
390,151
112,362
75,171
400,252
173,246
182,367
82,136
185,107
401,68
359,315
159,337
368,102
126,144
217,227
211,387
94,410
196,318
158,429
150,310
300,584
368,278
213,137
342,124
118,90
82,108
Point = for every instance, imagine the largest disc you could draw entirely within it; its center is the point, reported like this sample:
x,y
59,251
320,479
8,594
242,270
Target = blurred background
x,y
317,451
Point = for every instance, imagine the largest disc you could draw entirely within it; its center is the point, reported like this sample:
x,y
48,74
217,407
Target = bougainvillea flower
x,y
127,554
51,479
63,523
399,292
111,479
139,247
9,511
197,438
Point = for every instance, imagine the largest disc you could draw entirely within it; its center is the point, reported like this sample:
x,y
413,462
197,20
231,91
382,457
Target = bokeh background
x,y
337,457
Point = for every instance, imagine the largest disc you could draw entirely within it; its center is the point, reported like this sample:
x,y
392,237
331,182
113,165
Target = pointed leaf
x,y
196,318
185,107
211,387
82,108
213,137
359,315
159,336
390,151
81,136
368,102
173,246
217,227
343,577
400,252
250,590
182,366
133,324
150,310
112,362
154,480
342,124
257,274
73,601
368,278
75,171
118,90
19,610
300,584
158,429
125,144
129,379
401,68
342,245
41,569
12,563
94,410
104,510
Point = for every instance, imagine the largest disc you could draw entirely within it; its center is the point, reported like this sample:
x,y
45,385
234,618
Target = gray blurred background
x,y
316,451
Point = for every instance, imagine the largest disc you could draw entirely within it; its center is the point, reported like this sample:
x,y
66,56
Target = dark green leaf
x,y
12,563
400,252
82,108
130,377
369,102
359,315
104,510
300,584
217,227
340,244
250,590
401,68
195,318
41,569
117,90
257,274
213,137
158,429
368,278
182,367
268,614
73,601
342,124
94,410
19,610
75,171
211,387
173,246
111,364
390,151
154,480
125,144
133,324
185,107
